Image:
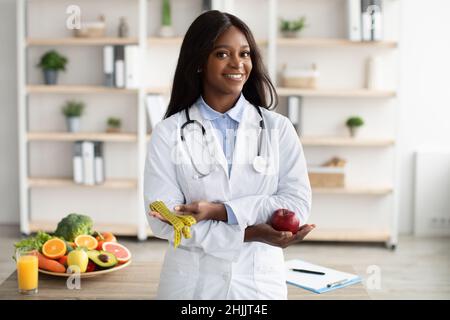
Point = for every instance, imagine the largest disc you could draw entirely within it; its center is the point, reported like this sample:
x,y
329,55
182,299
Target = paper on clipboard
x,y
332,279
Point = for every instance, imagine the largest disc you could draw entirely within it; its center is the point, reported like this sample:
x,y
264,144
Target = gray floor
x,y
418,269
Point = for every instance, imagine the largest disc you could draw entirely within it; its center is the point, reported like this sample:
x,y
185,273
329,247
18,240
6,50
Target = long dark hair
x,y
197,44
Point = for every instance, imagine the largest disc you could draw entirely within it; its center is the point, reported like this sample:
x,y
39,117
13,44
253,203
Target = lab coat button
x,y
225,276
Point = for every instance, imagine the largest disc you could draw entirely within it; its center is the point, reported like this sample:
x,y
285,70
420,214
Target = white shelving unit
x,y
324,44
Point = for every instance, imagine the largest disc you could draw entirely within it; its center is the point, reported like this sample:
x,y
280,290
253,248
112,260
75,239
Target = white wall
x,y
424,91
424,97
9,172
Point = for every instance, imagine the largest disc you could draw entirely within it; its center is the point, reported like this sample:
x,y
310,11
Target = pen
x,y
333,284
309,271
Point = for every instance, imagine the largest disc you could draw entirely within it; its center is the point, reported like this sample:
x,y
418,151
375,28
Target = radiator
x,y
432,193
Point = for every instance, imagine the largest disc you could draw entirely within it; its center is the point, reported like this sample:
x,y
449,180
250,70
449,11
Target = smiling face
x,y
228,67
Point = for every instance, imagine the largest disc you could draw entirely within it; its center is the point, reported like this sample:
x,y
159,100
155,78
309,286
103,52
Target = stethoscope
x,y
260,164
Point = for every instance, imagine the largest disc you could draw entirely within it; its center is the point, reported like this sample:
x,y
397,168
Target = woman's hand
x,y
203,210
200,210
283,239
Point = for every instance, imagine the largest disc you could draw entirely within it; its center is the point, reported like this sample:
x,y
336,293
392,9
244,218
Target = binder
x,y
78,175
132,67
99,167
119,66
354,20
88,162
294,111
371,20
108,66
331,280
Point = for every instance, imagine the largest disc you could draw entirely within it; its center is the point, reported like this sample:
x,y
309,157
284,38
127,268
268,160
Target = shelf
x,y
330,42
349,235
336,93
178,41
80,41
158,90
354,190
77,89
68,182
69,136
345,142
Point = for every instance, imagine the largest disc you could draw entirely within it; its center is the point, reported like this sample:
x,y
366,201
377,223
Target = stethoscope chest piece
x,y
260,164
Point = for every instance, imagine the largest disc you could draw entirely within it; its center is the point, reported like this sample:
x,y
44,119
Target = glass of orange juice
x,y
27,270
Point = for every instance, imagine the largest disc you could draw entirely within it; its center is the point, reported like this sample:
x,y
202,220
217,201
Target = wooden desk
x,y
139,281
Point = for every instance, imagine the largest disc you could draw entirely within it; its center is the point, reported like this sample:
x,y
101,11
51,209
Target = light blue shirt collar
x,y
234,113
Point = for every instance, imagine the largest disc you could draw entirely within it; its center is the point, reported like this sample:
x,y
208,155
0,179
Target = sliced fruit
x,y
121,252
104,237
86,241
54,248
103,259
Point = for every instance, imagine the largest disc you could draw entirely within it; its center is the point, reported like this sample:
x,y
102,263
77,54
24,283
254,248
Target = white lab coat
x,y
216,263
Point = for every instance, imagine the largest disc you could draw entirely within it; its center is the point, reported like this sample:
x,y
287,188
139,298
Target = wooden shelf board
x,y
80,41
348,235
336,93
68,136
353,190
77,89
116,229
345,142
330,42
43,182
158,90
179,40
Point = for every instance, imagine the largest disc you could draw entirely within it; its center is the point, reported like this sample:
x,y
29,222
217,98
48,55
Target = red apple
x,y
285,220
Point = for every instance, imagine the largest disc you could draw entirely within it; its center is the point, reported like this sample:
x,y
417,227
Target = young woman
x,y
222,156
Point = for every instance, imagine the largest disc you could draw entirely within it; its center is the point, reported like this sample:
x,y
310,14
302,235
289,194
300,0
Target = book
x,y
156,108
87,148
330,279
354,20
77,161
108,66
119,66
132,67
99,167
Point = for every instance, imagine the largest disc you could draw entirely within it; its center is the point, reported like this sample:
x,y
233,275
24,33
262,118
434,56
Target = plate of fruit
x,y
75,248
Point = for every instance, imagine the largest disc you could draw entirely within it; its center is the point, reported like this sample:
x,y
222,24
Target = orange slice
x,y
87,241
54,248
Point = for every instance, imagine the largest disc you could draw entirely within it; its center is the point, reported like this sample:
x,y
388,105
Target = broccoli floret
x,y
73,225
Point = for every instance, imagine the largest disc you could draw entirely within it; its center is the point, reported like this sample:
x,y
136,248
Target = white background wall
x,y
423,93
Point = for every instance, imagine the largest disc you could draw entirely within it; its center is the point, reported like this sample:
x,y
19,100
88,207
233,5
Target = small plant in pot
x,y
166,25
51,62
73,110
292,28
114,125
353,123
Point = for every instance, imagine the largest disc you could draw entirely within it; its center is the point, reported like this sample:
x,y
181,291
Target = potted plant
x,y
73,111
166,27
353,123
292,28
114,125
51,62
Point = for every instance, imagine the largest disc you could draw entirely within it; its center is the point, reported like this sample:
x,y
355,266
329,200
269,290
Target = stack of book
x,y
364,20
88,163
121,66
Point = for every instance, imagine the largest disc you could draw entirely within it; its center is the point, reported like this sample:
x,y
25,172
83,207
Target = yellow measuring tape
x,y
181,223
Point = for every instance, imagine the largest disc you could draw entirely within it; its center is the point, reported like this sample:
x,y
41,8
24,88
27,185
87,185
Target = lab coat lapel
x,y
214,145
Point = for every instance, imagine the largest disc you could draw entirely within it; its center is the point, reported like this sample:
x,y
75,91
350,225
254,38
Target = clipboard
x,y
331,280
